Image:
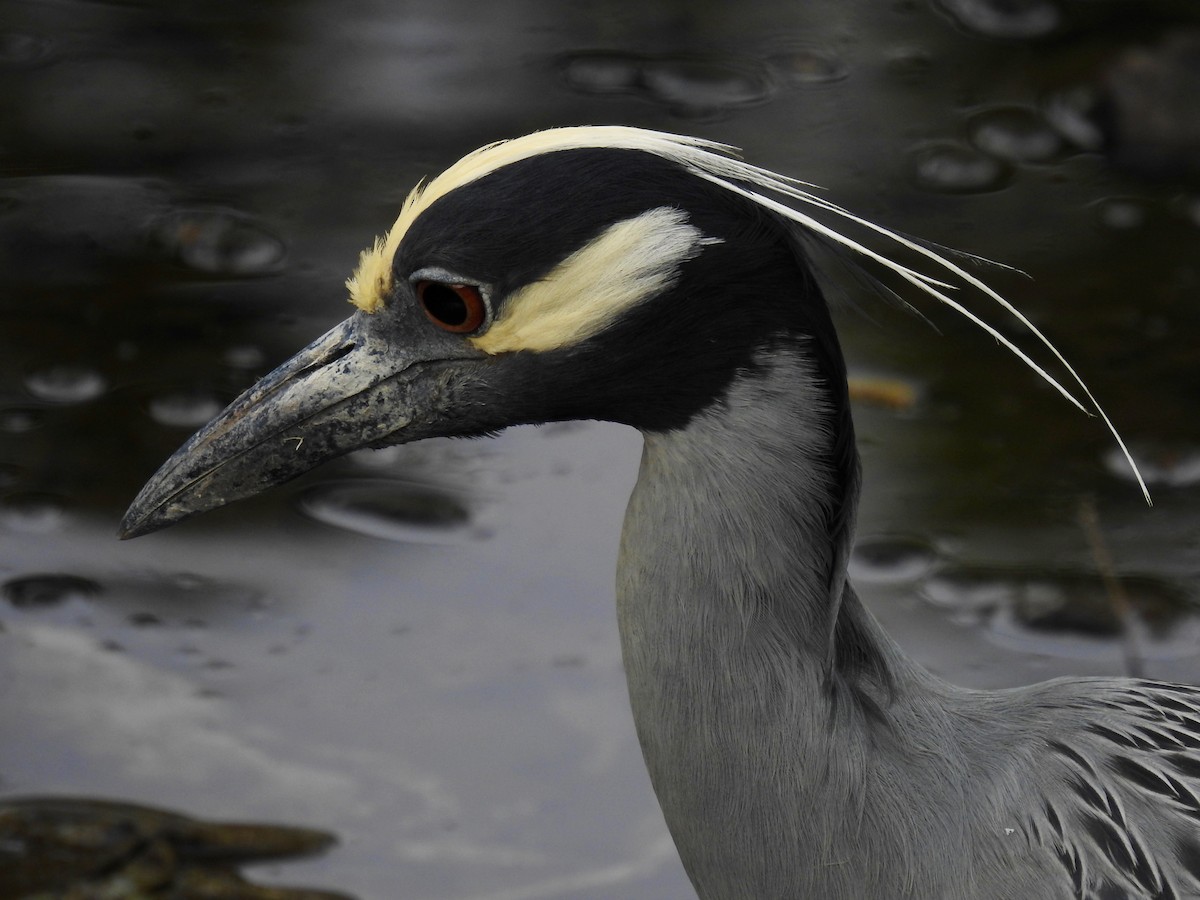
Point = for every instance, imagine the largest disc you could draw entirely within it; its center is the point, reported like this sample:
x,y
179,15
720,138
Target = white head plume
x,y
719,164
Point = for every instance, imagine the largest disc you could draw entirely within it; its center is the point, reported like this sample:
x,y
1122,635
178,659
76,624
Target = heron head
x,y
587,273
596,272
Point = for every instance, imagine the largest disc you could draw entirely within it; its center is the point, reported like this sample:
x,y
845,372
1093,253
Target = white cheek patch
x,y
630,262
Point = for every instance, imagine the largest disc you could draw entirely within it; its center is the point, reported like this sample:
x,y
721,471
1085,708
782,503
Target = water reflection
x,y
22,49
59,848
33,512
958,169
809,66
1122,213
18,420
34,591
1165,465
219,242
1069,613
184,408
891,560
1005,18
689,86
394,510
1015,133
66,384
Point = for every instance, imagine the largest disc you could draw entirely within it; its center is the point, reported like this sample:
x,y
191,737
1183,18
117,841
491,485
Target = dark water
x,y
415,649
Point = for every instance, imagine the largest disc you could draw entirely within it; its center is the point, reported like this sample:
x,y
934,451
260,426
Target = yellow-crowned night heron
x,y
613,273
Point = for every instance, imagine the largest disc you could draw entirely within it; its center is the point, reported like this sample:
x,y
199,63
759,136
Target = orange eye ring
x,y
457,308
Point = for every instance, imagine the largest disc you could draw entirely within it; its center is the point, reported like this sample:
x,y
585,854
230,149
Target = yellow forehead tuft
x,y
372,278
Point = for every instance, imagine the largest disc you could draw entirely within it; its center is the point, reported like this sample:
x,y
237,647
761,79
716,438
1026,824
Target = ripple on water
x,y
20,420
891,560
1004,18
688,85
952,168
244,356
1069,613
374,460
1122,213
1072,114
393,510
9,476
1190,206
603,73
45,590
909,64
220,242
32,513
66,384
151,600
809,65
19,49
1016,134
701,87
184,408
1167,465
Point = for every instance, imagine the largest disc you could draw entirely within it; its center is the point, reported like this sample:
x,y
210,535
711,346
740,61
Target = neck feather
x,y
753,502
744,647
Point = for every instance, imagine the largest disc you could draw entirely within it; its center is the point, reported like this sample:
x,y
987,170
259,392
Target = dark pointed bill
x,y
342,392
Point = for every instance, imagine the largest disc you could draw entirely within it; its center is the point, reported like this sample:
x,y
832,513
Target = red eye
x,y
457,308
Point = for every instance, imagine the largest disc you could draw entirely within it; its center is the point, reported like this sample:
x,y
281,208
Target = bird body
x,y
796,751
874,779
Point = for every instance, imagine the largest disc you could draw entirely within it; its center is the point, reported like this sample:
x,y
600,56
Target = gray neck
x,y
729,587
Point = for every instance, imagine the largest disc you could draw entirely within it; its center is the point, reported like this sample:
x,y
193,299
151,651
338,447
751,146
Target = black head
x,y
593,272
619,286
